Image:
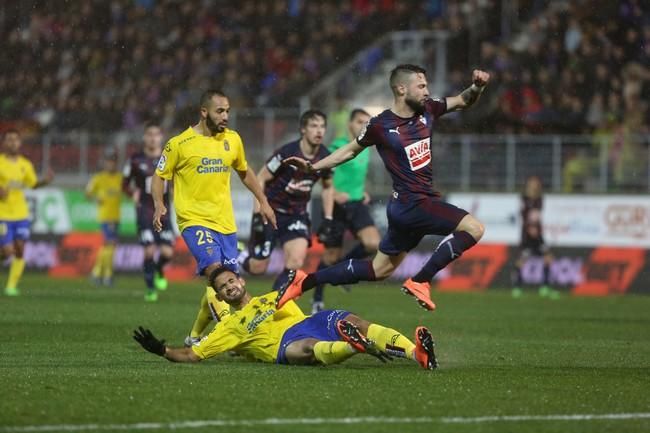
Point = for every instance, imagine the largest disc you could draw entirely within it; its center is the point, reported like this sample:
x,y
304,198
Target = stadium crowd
x,y
575,69
132,59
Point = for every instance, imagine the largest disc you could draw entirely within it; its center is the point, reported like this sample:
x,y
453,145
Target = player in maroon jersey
x,y
288,191
402,136
532,238
138,171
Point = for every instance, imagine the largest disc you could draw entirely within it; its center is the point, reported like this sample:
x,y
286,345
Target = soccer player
x,y
402,136
532,237
351,210
258,330
200,161
105,188
289,191
16,174
138,172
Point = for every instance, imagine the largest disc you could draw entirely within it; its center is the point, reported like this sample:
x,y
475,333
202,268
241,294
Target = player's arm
x,y
128,181
160,210
263,176
151,344
469,96
250,181
327,195
338,157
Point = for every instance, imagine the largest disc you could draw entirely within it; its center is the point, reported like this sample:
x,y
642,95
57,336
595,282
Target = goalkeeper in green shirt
x,y
351,210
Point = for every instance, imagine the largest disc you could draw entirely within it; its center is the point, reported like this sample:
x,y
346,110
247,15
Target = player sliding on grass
x,y
258,330
402,136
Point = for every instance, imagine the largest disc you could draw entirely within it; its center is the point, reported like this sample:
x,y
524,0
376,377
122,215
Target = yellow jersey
x,y
200,167
16,174
255,331
106,187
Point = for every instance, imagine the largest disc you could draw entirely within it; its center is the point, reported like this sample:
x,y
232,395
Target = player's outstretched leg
x,y
424,344
353,336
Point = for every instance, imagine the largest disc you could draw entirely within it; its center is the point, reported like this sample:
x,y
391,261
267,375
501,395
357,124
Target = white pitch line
x,y
568,417
317,421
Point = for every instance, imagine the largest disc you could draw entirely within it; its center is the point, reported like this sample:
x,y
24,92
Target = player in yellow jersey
x,y
199,162
106,188
258,330
16,174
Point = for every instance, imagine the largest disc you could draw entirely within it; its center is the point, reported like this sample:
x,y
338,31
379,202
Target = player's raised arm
x,y
338,157
249,179
469,96
160,210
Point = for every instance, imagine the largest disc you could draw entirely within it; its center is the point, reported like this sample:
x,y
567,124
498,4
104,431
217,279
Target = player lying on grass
x,y
258,330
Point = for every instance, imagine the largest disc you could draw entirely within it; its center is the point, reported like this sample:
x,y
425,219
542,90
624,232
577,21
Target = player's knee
x,y
295,262
358,322
257,267
473,226
371,245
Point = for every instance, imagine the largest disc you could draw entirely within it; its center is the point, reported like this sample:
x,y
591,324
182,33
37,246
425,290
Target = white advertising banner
x,y
568,220
498,212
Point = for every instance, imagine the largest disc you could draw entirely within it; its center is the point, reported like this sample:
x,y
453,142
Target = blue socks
x,y
448,250
345,272
149,268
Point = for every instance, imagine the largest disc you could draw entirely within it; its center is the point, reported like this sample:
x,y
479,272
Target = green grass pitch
x,y
67,360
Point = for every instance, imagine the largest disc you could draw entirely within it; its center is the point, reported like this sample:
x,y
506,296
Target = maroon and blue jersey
x,y
290,189
404,144
137,174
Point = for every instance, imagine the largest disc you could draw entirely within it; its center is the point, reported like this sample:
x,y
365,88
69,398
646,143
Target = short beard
x,y
213,127
414,105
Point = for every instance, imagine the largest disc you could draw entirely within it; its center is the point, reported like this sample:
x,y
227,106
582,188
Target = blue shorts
x,y
290,227
14,231
209,247
109,230
321,326
409,220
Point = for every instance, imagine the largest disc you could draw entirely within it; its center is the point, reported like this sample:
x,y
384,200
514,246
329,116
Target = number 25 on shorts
x,y
204,236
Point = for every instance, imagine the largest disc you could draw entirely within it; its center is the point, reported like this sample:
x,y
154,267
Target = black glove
x,y
329,231
257,223
148,341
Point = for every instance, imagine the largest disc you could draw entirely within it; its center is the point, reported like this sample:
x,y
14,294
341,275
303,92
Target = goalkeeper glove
x,y
149,342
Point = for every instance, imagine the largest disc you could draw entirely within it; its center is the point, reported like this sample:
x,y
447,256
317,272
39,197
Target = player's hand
x,y
329,230
49,176
135,196
366,197
268,216
480,78
300,163
159,212
341,197
149,342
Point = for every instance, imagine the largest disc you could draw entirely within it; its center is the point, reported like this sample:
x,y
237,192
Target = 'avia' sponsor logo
x,y
209,165
418,154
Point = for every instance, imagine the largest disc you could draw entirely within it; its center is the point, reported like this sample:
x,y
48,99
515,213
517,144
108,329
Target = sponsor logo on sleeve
x,y
162,163
274,163
418,154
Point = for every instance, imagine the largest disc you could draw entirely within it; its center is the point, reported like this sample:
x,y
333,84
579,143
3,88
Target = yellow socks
x,y
333,352
99,261
107,261
15,272
391,341
210,308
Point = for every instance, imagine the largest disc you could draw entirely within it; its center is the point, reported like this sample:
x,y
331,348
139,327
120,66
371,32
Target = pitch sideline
x,y
318,421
